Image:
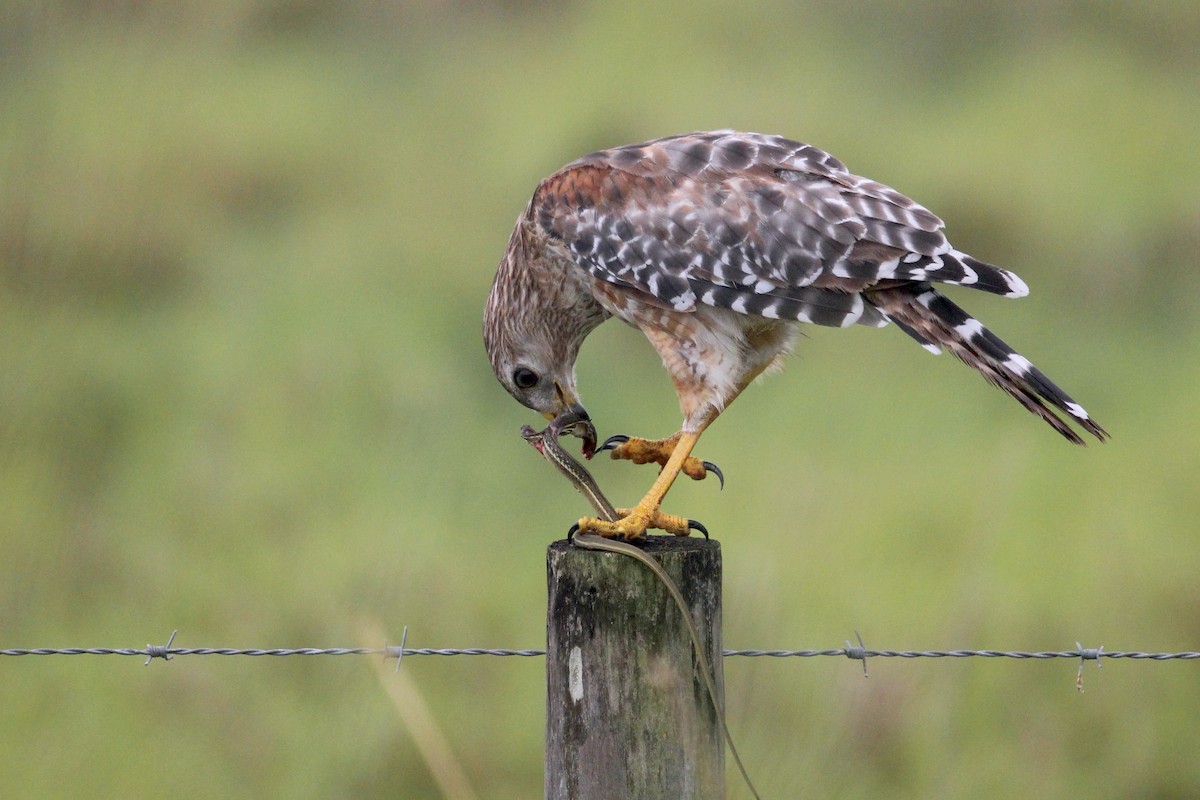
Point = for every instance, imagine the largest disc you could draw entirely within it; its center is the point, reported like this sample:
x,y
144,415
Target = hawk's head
x,y
536,318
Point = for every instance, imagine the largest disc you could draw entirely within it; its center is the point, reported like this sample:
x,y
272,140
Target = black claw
x,y
696,526
611,442
715,470
574,529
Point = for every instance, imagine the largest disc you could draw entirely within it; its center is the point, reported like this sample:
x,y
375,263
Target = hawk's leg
x,y
637,520
658,451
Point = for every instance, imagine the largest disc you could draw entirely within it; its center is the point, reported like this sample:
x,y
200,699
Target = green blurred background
x,y
243,253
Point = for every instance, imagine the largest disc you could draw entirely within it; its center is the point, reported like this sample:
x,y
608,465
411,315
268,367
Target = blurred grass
x,y
243,252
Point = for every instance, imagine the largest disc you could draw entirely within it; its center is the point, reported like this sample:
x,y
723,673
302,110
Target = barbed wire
x,y
1085,654
159,651
859,652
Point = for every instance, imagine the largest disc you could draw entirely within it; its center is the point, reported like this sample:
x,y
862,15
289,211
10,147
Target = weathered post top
x,y
628,714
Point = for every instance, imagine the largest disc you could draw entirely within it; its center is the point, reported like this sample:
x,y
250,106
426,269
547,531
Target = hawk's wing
x,y
759,224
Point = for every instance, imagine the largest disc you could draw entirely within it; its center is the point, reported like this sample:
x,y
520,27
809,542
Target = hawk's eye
x,y
524,378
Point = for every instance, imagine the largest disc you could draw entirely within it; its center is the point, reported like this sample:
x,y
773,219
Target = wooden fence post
x,y
627,711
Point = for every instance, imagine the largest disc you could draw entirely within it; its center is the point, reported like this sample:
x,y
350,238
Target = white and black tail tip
x,y
935,322
1011,371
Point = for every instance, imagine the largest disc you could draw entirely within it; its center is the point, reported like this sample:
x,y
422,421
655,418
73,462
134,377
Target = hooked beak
x,y
575,420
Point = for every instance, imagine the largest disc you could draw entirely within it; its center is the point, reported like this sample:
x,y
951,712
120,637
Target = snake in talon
x,y
627,524
546,443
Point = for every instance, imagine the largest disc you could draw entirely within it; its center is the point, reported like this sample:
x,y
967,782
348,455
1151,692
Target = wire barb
x,y
400,649
859,653
162,651
1087,654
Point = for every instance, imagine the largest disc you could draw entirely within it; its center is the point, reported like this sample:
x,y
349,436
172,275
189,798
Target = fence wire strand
x,y
167,652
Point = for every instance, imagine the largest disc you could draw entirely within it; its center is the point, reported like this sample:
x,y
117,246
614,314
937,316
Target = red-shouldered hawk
x,y
716,246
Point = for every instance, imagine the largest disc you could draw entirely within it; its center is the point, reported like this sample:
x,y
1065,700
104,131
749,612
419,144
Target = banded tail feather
x,y
955,267
952,267
935,322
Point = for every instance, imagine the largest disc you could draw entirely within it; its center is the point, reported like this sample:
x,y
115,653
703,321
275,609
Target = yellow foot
x,y
658,451
633,523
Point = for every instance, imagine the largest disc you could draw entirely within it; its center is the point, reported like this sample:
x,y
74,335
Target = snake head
x,y
575,421
533,437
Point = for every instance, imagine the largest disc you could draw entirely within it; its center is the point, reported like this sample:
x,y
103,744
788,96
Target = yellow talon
x,y
654,451
632,525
